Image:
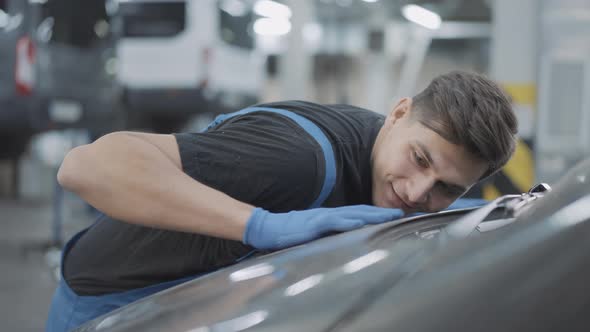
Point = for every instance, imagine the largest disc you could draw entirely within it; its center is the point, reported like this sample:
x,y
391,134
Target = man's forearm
x,y
132,180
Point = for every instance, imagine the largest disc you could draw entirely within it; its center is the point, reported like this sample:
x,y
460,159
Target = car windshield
x,y
153,19
76,23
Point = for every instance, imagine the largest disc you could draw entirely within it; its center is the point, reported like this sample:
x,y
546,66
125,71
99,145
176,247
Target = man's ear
x,y
401,109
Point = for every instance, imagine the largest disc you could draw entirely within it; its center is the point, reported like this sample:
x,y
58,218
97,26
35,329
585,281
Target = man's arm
x,y
138,178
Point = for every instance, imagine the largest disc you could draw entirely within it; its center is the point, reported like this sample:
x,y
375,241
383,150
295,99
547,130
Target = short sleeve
x,y
260,158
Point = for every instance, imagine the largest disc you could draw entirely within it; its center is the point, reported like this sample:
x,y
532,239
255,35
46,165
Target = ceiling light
x,y
272,27
422,16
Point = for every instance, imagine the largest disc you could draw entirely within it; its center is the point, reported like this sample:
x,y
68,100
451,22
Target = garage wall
x,y
564,86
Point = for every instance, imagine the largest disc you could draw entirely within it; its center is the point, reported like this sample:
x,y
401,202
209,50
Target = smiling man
x,y
264,178
432,148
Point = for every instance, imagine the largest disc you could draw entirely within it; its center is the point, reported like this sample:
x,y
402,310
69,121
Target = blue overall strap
x,y
313,130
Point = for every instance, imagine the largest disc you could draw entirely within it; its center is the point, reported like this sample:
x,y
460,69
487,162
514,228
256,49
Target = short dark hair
x,y
472,111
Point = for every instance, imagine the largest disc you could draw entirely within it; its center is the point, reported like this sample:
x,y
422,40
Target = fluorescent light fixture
x,y
370,1
272,9
422,16
272,27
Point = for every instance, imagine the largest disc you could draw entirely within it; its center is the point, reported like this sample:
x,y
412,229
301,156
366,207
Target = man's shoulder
x,y
327,112
342,123
313,106
354,111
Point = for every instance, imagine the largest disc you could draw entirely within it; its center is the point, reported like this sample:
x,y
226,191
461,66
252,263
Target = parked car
x,y
518,263
19,116
179,58
57,70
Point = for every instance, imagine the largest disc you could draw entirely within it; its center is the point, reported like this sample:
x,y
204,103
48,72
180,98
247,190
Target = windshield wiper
x,y
508,205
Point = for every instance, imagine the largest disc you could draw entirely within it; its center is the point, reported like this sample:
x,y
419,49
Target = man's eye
x,y
420,160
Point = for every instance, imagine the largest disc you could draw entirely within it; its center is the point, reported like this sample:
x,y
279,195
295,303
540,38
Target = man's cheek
x,y
440,205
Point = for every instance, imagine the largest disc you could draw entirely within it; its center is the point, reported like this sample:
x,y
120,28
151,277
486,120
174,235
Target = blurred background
x,y
72,71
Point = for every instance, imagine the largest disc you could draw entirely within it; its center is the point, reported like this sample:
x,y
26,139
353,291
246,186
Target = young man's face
x,y
415,169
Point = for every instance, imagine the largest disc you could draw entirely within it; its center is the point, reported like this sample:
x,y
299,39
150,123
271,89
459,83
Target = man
x,y
178,206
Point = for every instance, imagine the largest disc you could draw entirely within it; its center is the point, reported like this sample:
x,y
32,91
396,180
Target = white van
x,y
178,58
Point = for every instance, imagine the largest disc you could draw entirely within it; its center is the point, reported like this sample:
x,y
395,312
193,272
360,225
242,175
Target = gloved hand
x,y
266,230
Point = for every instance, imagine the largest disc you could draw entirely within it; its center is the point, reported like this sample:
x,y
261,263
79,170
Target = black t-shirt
x,y
261,158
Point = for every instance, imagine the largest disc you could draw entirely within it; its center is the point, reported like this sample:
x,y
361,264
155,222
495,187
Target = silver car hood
x,y
313,287
276,289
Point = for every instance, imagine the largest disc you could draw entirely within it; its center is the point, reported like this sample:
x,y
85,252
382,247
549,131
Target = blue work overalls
x,y
69,310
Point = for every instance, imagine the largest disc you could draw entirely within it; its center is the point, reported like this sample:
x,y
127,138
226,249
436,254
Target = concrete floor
x,y
26,279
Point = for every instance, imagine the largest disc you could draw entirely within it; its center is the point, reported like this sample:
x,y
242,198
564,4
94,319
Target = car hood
x,y
530,276
331,273
315,287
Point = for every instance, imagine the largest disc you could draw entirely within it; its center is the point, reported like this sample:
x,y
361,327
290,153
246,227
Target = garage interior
x,y
71,73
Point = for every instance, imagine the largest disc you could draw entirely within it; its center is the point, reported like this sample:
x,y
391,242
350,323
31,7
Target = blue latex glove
x,y
266,230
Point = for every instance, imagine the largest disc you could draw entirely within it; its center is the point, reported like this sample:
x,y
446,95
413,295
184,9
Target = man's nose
x,y
420,190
